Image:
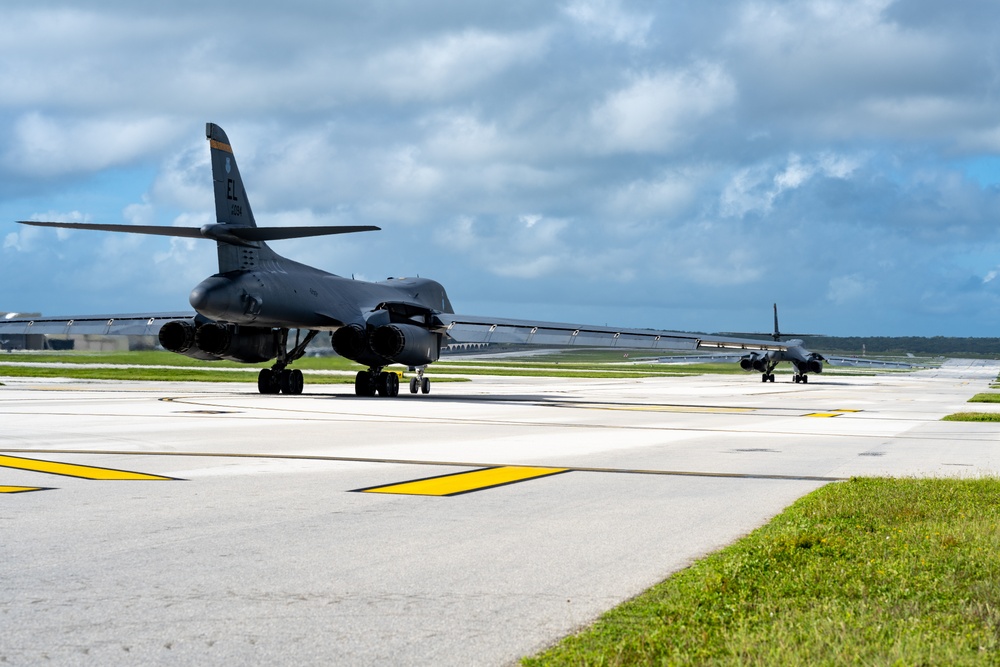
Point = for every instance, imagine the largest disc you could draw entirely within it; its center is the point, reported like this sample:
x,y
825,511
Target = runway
x,y
205,523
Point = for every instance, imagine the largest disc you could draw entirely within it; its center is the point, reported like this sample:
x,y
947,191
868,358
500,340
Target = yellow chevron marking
x,y
465,482
73,470
831,413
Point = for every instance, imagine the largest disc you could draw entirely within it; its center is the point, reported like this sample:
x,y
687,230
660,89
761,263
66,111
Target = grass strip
x,y
871,571
985,398
162,358
156,374
973,417
172,375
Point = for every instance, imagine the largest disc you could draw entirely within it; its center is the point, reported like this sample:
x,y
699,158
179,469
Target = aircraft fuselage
x,y
282,293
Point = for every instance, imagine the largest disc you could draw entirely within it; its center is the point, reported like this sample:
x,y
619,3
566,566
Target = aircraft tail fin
x,y
231,204
232,207
777,334
241,242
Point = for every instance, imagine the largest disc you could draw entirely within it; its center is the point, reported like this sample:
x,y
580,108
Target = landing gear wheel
x,y
268,381
796,379
388,384
363,384
425,385
805,378
763,377
291,382
414,385
770,378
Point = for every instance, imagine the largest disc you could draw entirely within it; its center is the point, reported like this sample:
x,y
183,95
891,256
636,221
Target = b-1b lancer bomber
x,y
246,311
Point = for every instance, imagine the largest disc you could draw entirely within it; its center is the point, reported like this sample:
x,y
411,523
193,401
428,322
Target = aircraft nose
x,y
211,298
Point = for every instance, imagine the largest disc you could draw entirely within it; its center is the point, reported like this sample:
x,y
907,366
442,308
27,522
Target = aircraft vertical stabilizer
x,y
231,204
232,207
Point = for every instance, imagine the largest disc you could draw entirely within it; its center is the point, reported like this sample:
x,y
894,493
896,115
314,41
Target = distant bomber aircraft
x,y
802,360
246,311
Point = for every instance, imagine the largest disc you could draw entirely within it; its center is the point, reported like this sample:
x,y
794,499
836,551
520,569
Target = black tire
x,y
388,384
414,385
296,383
363,385
425,385
264,380
268,381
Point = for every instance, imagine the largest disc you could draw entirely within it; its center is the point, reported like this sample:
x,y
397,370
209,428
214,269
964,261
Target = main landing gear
x,y
384,383
769,377
279,378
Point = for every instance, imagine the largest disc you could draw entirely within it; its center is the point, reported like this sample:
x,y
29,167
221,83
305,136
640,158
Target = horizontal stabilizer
x,y
216,232
278,233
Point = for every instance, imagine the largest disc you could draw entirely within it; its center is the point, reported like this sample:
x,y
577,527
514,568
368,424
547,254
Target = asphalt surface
x,y
262,547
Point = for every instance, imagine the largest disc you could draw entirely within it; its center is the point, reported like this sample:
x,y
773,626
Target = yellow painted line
x,y
73,470
465,482
831,413
20,489
221,146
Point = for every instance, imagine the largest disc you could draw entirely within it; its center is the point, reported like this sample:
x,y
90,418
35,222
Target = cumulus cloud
x,y
607,19
444,65
707,157
660,111
44,146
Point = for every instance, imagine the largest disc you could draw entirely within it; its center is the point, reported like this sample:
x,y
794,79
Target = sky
x,y
675,165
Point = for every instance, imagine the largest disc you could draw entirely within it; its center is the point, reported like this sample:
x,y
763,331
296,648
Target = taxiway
x,y
471,526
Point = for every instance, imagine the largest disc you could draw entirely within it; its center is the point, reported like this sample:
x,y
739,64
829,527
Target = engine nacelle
x,y
814,366
249,345
406,344
350,342
178,336
754,362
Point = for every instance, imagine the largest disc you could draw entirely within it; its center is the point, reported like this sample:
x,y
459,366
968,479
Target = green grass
x,y
973,417
157,374
142,367
161,358
985,398
870,571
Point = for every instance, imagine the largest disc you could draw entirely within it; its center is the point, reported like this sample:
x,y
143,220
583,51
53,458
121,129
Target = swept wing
x,y
479,329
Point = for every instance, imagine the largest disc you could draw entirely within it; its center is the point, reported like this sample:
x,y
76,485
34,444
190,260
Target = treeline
x,y
902,345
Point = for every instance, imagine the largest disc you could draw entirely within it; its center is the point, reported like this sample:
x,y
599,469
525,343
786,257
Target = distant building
x,y
10,342
79,342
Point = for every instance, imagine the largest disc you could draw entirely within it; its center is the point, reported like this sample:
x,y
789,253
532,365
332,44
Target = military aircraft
x,y
802,360
247,310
